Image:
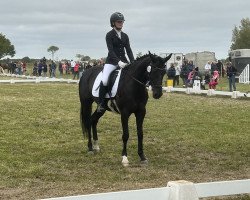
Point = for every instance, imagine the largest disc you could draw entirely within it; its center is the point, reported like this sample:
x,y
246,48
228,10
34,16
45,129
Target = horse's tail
x,y
85,115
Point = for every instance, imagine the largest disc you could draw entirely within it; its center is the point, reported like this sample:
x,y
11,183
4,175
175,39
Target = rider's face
x,y
119,24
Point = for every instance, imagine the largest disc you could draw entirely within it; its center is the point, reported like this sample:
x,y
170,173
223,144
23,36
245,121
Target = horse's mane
x,y
138,59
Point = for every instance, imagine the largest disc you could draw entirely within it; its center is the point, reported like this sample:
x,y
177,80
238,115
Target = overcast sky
x,y
80,26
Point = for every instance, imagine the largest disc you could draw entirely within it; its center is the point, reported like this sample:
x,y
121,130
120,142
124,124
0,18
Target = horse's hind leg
x,y
94,120
85,117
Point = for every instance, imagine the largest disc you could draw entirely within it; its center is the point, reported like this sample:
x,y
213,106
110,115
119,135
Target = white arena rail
x,y
175,190
194,90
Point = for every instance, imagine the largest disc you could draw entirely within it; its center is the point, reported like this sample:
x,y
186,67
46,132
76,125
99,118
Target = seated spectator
x,y
190,79
214,80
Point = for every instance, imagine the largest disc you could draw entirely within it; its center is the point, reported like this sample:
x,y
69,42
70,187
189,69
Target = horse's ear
x,y
168,57
151,56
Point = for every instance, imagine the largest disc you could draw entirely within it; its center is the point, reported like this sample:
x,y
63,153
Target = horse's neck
x,y
138,71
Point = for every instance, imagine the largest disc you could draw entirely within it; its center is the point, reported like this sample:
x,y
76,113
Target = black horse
x,y
131,97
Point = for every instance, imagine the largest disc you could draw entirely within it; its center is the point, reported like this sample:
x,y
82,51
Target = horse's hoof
x,y
125,161
90,152
96,149
144,162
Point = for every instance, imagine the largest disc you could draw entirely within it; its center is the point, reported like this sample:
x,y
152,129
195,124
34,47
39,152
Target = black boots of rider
x,y
102,92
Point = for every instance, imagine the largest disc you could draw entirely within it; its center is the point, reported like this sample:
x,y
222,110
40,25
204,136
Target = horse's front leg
x,y
125,136
139,123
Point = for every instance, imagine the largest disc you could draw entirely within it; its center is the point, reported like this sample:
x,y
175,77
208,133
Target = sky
x,y
159,26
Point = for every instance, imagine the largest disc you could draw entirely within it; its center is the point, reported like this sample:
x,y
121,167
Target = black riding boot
x,y
102,93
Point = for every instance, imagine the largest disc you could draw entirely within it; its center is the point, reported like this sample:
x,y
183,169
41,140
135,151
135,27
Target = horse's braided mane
x,y
139,59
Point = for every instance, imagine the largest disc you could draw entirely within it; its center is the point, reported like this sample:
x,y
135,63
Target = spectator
x,y
219,66
190,78
171,73
214,80
40,68
213,67
72,65
53,69
60,68
76,70
231,72
45,69
35,68
208,67
177,73
184,73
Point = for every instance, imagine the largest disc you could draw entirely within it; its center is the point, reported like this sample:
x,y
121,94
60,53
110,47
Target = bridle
x,y
149,82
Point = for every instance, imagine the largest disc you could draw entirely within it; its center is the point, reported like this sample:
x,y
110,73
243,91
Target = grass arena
x,y
43,153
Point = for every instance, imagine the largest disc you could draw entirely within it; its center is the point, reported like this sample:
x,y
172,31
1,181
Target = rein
x,y
149,81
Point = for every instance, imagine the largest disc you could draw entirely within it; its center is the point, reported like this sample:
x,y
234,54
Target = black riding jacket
x,y
116,48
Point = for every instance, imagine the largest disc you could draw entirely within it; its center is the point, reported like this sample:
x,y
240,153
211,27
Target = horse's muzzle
x,y
157,92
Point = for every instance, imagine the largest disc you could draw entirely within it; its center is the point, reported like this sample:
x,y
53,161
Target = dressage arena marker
x,y
175,190
194,90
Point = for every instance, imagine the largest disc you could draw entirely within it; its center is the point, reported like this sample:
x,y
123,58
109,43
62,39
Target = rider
x,y
117,41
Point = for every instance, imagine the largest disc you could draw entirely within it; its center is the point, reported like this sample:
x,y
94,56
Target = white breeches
x,y
108,68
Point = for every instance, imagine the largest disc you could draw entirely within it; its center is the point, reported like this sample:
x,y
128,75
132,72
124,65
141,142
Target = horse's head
x,y
156,71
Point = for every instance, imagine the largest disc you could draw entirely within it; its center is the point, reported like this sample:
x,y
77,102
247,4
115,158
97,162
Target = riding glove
x,y
122,64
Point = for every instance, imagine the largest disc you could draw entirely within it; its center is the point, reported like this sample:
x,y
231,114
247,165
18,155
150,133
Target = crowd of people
x,y
188,72
48,68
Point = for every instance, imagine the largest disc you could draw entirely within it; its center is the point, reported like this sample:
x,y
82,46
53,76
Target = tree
x,y
83,57
241,35
52,49
26,59
6,48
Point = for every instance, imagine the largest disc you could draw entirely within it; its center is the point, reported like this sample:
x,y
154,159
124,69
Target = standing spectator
x,y
171,73
53,69
72,65
60,68
19,68
190,66
213,67
35,68
81,69
231,72
184,73
177,73
40,68
45,69
219,66
76,70
208,67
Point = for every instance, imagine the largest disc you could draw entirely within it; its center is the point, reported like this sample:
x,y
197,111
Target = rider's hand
x,y
122,64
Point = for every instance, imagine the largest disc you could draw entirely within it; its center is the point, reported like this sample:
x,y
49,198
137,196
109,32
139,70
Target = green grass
x,y
43,154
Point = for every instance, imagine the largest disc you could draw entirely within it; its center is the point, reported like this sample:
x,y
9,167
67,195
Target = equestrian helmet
x,y
117,16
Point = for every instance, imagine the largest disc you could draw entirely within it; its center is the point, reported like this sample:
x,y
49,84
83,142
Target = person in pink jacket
x,y
214,80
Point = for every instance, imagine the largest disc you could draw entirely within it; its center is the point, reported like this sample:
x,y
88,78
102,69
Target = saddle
x,y
112,89
112,84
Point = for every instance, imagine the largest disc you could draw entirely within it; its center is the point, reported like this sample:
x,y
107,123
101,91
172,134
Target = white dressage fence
x,y
175,190
195,90
34,79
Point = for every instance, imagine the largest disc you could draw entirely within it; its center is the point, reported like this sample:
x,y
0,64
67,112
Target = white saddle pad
x,y
95,89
